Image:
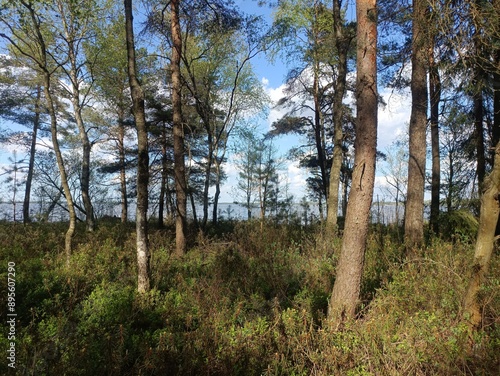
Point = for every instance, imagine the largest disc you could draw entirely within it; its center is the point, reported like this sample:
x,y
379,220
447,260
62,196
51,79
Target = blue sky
x,y
392,119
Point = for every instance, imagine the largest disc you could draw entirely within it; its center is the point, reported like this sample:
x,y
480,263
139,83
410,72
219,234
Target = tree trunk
x,y
62,171
342,43
414,210
69,30
217,191
141,220
163,183
208,169
121,161
179,164
488,219
345,294
42,62
31,165
435,98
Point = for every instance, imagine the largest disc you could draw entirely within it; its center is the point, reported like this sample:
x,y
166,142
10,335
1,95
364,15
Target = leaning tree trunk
x,y
179,164
143,255
414,210
490,209
345,294
62,170
31,164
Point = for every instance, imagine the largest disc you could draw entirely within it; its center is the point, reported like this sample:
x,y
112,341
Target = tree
x,y
179,163
435,99
343,35
396,174
258,179
21,98
137,94
347,284
75,29
490,210
111,86
414,209
31,37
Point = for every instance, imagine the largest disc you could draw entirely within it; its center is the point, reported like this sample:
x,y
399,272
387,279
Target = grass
x,y
241,302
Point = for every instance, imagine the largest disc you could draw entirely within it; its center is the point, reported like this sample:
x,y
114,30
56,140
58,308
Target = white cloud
x,y
392,118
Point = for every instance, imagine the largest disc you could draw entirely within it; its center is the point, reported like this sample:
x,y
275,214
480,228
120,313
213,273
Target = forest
x,y
121,124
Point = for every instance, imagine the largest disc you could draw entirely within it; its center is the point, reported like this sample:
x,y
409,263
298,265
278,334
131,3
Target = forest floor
x,y
242,301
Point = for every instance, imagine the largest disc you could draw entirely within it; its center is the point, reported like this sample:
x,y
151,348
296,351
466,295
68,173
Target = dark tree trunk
x,y
164,173
179,164
31,164
121,161
345,294
414,210
143,255
342,42
435,98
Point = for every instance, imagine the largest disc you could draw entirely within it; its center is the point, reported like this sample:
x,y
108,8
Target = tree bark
x,y
414,210
179,164
31,164
137,95
488,219
435,98
345,294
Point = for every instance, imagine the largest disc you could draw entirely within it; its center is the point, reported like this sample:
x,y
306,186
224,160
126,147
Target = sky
x,y
392,118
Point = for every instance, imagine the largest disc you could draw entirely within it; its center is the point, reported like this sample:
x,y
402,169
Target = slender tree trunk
x,y
121,161
77,112
85,171
31,164
62,171
217,192
435,98
342,43
414,210
318,125
179,164
42,62
137,95
163,183
490,209
208,170
345,294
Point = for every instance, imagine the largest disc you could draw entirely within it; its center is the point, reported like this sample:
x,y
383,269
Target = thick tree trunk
x,y
143,255
490,209
179,164
414,210
435,98
342,43
31,164
345,294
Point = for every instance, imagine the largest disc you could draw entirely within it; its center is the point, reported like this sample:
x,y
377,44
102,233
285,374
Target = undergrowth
x,y
242,301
